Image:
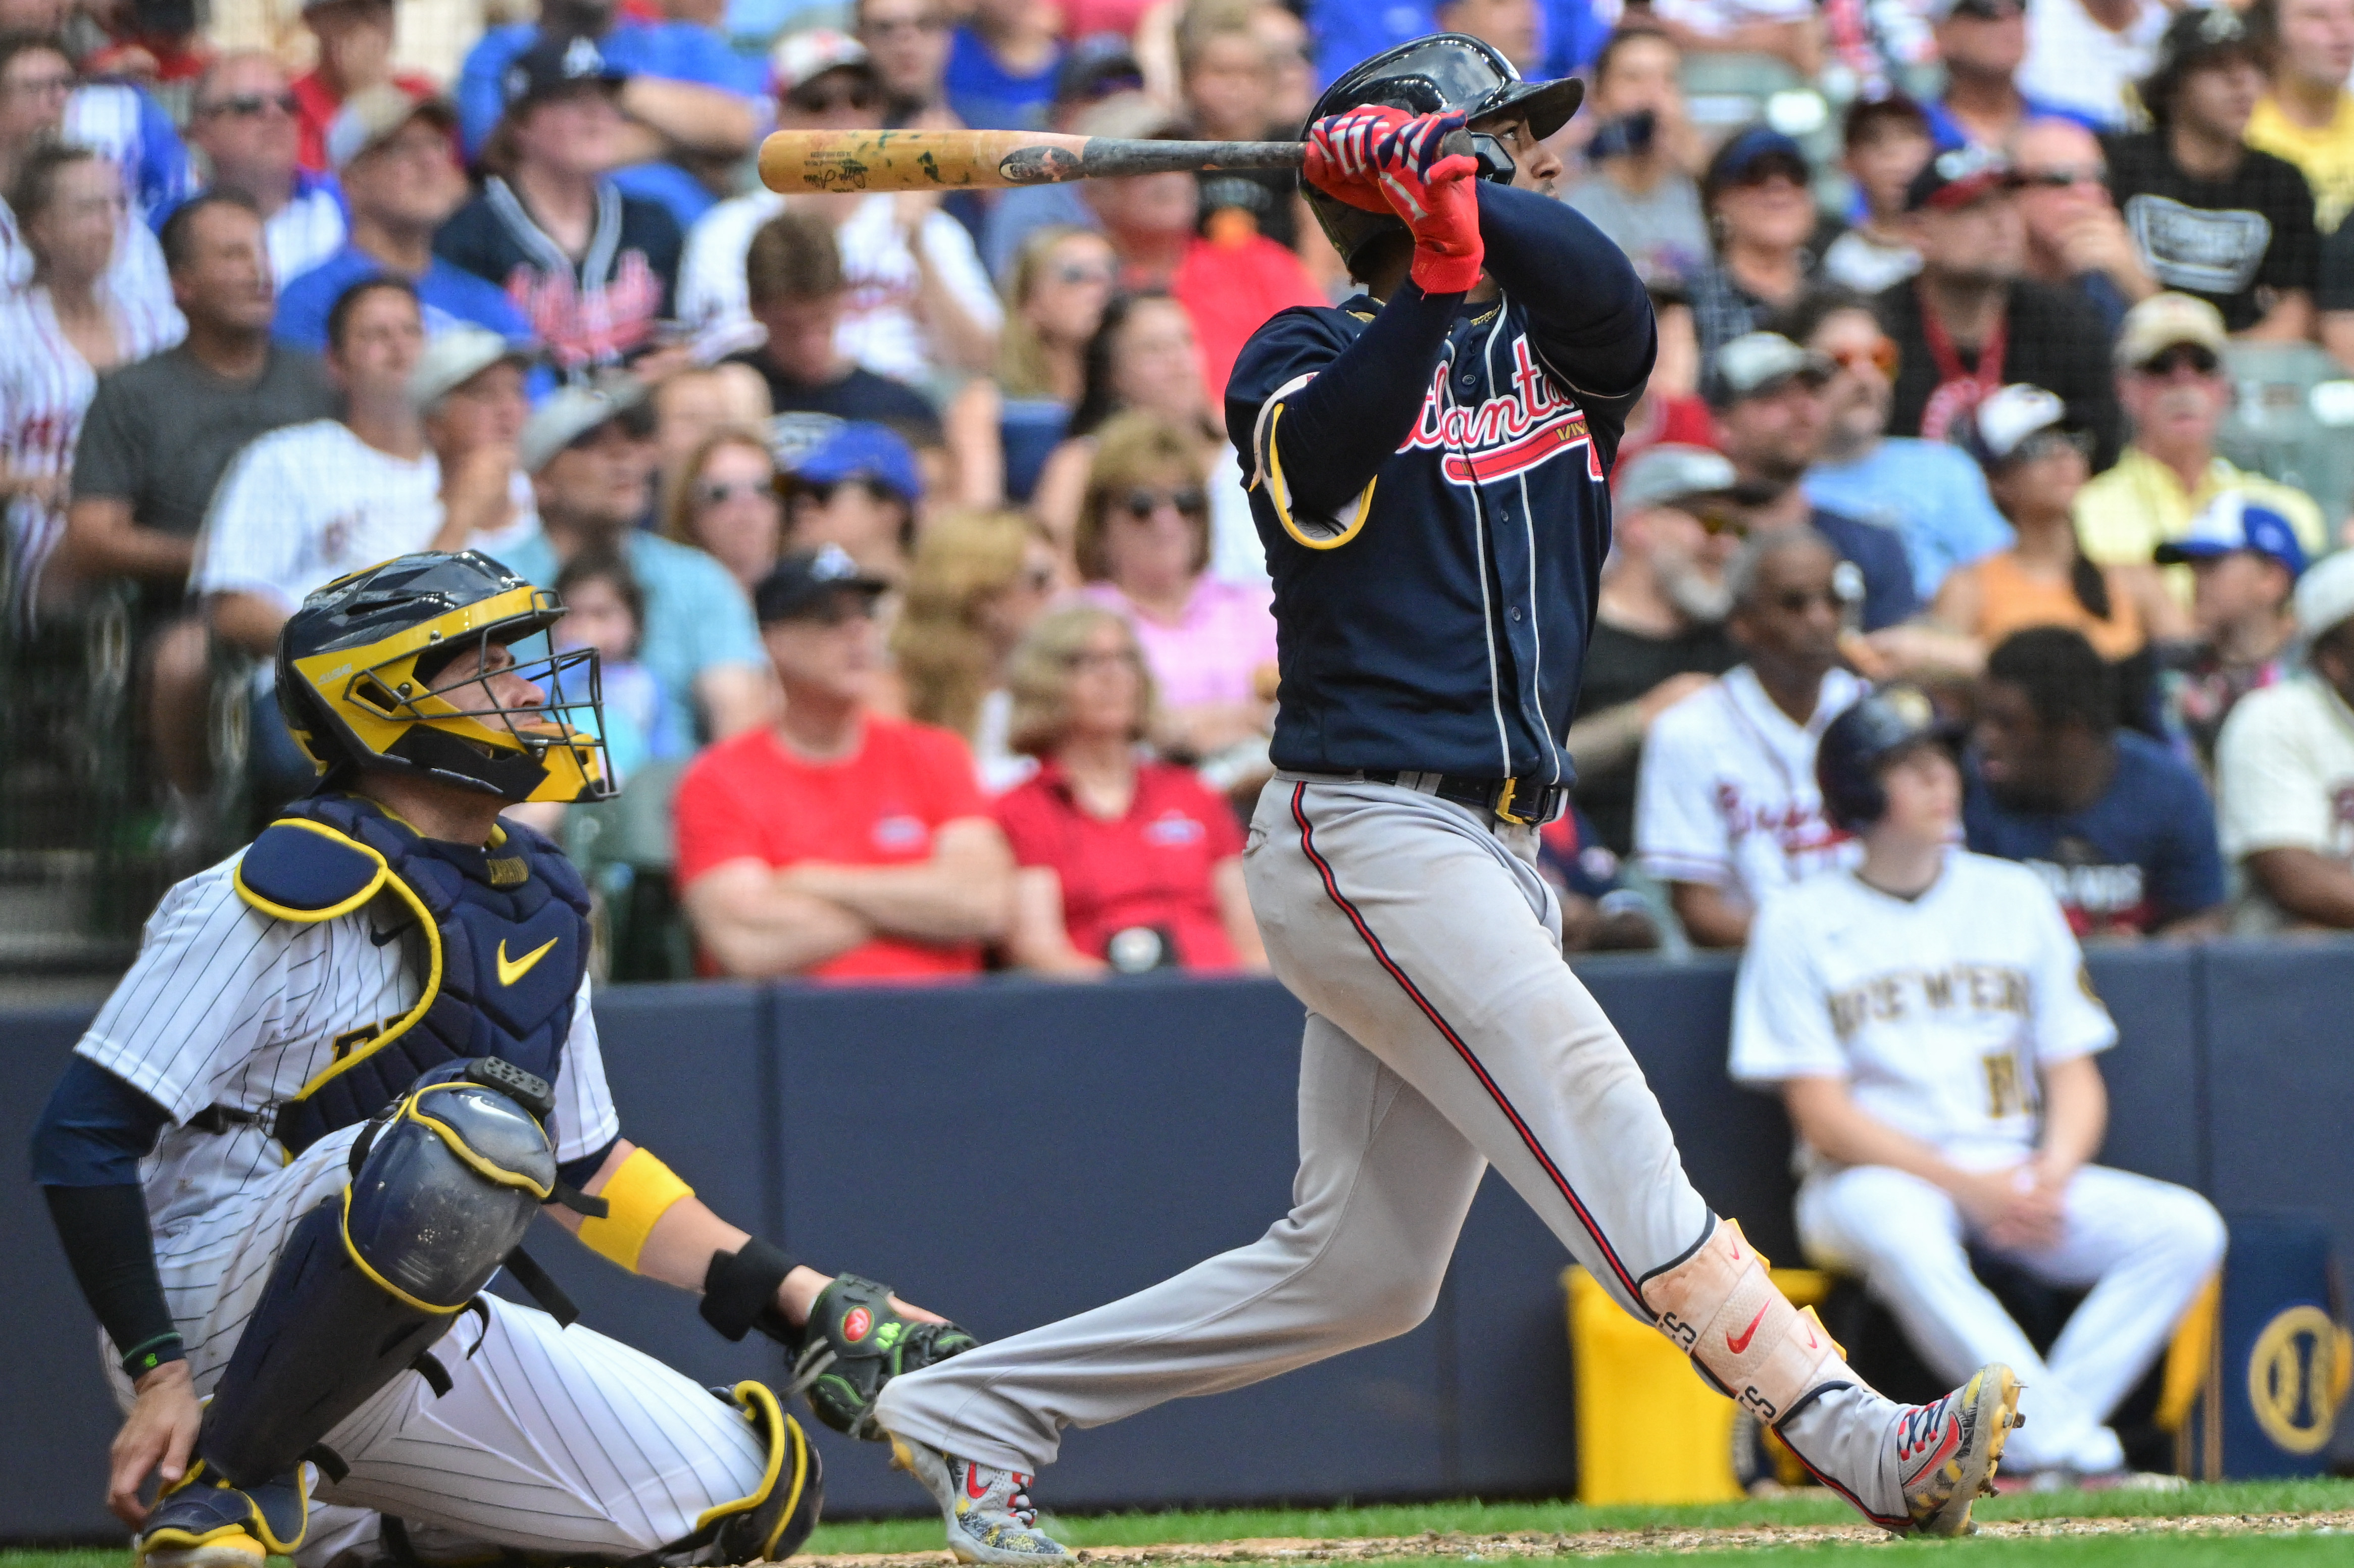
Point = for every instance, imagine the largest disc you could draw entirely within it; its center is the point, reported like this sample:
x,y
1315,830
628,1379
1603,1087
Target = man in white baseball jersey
x,y
1927,1018
349,1065
1725,805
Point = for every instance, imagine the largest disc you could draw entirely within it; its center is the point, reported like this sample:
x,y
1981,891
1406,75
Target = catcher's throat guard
x,y
364,681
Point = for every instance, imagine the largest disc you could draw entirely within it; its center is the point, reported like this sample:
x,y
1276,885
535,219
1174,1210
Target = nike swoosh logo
x,y
511,971
974,1486
1741,1344
381,937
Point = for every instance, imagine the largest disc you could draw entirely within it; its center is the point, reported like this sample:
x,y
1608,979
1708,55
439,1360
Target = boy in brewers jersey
x,y
349,1066
1928,1022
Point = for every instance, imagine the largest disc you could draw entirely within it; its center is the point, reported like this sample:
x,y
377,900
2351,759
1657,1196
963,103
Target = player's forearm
x,y
1588,312
1330,437
1826,1115
2075,1114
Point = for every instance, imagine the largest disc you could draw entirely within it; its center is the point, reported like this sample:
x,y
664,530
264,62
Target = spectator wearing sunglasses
x,y
2086,55
1983,44
1002,64
589,453
1758,196
979,581
2076,239
1727,810
2170,379
1144,548
1123,865
1931,496
914,304
2036,464
834,841
908,42
1003,428
693,104
242,120
2211,216
723,501
858,490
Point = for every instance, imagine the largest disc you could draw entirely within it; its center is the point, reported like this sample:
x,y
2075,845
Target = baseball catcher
x,y
348,1066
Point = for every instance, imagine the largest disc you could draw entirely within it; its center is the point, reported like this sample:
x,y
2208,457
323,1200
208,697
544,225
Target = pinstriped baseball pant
x,y
1444,1033
549,1439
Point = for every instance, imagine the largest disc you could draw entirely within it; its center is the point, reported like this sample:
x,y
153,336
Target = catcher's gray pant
x,y
1444,1034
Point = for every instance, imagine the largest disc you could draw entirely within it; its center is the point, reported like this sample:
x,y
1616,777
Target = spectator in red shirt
x,y
354,52
1125,864
836,843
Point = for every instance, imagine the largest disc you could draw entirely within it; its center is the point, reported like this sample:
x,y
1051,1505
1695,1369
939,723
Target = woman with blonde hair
x,y
723,500
980,580
1142,545
1125,864
1003,429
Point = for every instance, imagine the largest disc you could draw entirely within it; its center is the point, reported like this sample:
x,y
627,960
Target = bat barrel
x,y
799,161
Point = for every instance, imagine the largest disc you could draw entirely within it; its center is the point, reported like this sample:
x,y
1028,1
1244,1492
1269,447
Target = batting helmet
x,y
1865,739
357,663
1444,73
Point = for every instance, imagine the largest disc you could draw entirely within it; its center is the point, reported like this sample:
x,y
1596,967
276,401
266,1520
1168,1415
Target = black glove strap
x,y
739,1292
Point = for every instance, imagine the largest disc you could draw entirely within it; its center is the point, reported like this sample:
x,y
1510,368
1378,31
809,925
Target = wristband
x,y
640,1193
141,1359
739,1292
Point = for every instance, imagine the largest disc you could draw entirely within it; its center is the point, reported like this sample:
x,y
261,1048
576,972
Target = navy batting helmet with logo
x,y
1862,741
1444,73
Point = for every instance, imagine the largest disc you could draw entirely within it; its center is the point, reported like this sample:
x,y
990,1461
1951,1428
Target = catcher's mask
x,y
358,662
1442,73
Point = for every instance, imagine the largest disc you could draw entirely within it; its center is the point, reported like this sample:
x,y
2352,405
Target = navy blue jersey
x,y
1433,605
2142,854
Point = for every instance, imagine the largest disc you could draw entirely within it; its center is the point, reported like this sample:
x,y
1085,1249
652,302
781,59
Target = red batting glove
x,y
1339,160
1436,192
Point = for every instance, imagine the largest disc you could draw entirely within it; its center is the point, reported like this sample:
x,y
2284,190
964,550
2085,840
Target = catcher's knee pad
x,y
774,1518
1721,1308
443,1185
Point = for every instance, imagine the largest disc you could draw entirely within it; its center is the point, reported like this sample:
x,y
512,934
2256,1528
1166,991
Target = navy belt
x,y
1523,802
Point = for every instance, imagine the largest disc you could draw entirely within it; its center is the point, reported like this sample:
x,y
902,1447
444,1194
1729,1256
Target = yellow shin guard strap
x,y
1721,1308
640,1193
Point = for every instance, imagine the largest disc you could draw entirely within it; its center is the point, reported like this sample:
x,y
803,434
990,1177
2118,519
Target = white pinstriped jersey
x,y
303,505
226,1006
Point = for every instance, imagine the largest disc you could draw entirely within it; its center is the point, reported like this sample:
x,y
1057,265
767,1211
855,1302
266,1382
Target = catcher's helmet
x,y
357,663
1446,72
1863,740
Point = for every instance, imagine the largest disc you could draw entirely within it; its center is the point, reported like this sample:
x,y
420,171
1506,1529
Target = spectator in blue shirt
x,y
1983,43
694,105
1932,495
392,154
2116,825
1002,66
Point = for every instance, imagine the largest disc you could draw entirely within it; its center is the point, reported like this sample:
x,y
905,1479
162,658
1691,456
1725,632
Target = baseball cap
x,y
2005,418
554,63
2235,520
806,579
373,115
1741,158
2325,596
859,450
574,412
1759,362
1956,177
455,355
2163,321
1670,472
802,58
1096,67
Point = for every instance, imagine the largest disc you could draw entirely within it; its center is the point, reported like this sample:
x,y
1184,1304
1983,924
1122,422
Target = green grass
x,y
1564,1517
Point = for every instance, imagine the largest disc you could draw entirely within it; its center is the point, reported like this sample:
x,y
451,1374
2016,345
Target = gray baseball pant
x,y
1444,1034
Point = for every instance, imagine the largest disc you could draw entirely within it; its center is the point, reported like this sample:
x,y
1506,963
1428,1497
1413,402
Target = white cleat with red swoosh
x,y
988,1511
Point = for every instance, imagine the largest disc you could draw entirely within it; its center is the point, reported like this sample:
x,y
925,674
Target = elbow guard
x,y
641,1192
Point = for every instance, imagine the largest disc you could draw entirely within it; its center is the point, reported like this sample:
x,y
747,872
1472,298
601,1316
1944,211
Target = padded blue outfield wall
x,y
1011,1151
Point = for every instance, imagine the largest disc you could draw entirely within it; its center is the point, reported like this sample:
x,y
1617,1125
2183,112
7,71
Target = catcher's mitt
x,y
855,1344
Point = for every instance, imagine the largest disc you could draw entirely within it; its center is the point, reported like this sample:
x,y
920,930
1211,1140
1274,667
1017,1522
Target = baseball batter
x,y
349,1067
1927,1019
1429,479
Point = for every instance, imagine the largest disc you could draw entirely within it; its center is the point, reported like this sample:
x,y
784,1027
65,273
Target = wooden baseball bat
x,y
794,162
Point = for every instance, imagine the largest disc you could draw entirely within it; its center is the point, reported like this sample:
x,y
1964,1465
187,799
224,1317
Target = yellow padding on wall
x,y
640,1193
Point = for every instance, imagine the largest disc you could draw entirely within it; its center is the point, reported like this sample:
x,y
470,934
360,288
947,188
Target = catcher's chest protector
x,y
505,934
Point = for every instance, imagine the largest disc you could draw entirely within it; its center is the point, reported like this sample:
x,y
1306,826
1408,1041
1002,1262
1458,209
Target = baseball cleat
x,y
203,1522
989,1513
1947,1452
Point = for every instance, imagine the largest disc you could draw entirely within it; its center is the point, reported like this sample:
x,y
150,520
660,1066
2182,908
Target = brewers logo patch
x,y
2296,1376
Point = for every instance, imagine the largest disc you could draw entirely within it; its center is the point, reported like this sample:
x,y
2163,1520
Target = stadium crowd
x,y
2004,348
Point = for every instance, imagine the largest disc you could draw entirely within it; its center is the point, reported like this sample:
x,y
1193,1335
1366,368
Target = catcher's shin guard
x,y
1720,1308
775,1519
443,1186
202,1521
